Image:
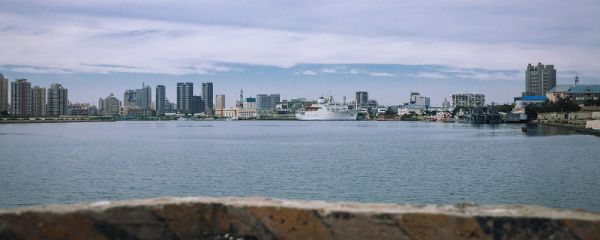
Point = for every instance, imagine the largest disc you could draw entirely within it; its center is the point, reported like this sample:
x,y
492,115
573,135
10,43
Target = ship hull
x,y
327,116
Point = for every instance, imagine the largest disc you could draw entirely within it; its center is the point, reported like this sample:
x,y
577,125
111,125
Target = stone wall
x,y
574,119
258,218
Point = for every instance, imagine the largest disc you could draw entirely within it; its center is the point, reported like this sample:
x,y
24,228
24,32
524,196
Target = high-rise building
x,y
109,106
362,98
220,101
130,99
539,79
21,98
58,100
468,100
144,97
207,97
161,100
266,102
3,95
185,91
38,101
198,105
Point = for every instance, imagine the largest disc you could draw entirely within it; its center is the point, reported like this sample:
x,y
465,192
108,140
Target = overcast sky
x,y
299,48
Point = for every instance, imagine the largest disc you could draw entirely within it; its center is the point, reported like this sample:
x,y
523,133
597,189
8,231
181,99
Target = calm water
x,y
395,162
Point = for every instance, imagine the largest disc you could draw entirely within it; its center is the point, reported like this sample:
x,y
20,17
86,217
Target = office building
x,y
185,91
468,100
418,101
207,96
161,100
110,106
539,79
57,101
220,101
21,98
198,105
267,102
144,97
38,101
362,98
3,95
129,99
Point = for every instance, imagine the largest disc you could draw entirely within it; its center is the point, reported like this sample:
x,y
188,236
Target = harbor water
x,y
391,162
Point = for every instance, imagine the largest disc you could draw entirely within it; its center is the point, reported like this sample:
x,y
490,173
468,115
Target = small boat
x,y
524,129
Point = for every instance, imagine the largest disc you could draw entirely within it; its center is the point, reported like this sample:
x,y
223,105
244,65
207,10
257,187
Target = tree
x,y
506,108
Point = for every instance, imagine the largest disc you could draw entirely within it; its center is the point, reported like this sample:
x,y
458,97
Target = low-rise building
x,y
578,93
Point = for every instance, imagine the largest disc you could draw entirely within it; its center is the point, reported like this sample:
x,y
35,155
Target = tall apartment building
x,y
468,100
207,97
362,98
185,91
3,94
539,79
21,98
267,102
109,106
38,101
220,101
57,101
161,100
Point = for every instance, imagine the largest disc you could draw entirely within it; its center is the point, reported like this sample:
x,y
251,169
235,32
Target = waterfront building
x,y
161,100
58,100
226,112
418,101
446,104
198,105
38,101
469,100
267,102
109,106
248,109
220,101
578,93
185,91
539,79
129,99
144,97
3,95
21,98
169,106
80,109
362,98
207,96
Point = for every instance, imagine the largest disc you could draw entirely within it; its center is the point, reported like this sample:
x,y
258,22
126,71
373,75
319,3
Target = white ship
x,y
327,110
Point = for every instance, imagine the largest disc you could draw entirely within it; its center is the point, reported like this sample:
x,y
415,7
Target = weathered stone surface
x,y
258,218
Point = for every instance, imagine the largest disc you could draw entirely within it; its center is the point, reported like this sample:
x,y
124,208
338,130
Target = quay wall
x,y
572,119
260,218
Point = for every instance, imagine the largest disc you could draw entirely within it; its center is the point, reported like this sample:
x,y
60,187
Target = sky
x,y
299,48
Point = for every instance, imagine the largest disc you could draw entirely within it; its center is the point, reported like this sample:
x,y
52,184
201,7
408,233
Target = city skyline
x,y
387,48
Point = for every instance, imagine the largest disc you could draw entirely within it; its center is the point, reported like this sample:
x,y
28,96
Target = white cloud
x,y
308,72
432,75
381,74
79,43
329,70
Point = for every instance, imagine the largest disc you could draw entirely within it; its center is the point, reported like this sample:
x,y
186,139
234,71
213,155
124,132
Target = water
x,y
393,162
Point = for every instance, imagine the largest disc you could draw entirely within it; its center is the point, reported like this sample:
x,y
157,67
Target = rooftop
x,y
583,88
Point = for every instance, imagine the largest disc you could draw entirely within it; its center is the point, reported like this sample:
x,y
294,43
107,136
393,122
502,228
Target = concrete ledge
x,y
259,218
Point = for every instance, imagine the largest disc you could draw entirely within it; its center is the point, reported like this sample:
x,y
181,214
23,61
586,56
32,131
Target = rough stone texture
x,y
258,218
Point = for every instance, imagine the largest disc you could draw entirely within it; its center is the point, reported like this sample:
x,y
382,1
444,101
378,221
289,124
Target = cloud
x,y
431,75
381,74
329,70
70,41
308,72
